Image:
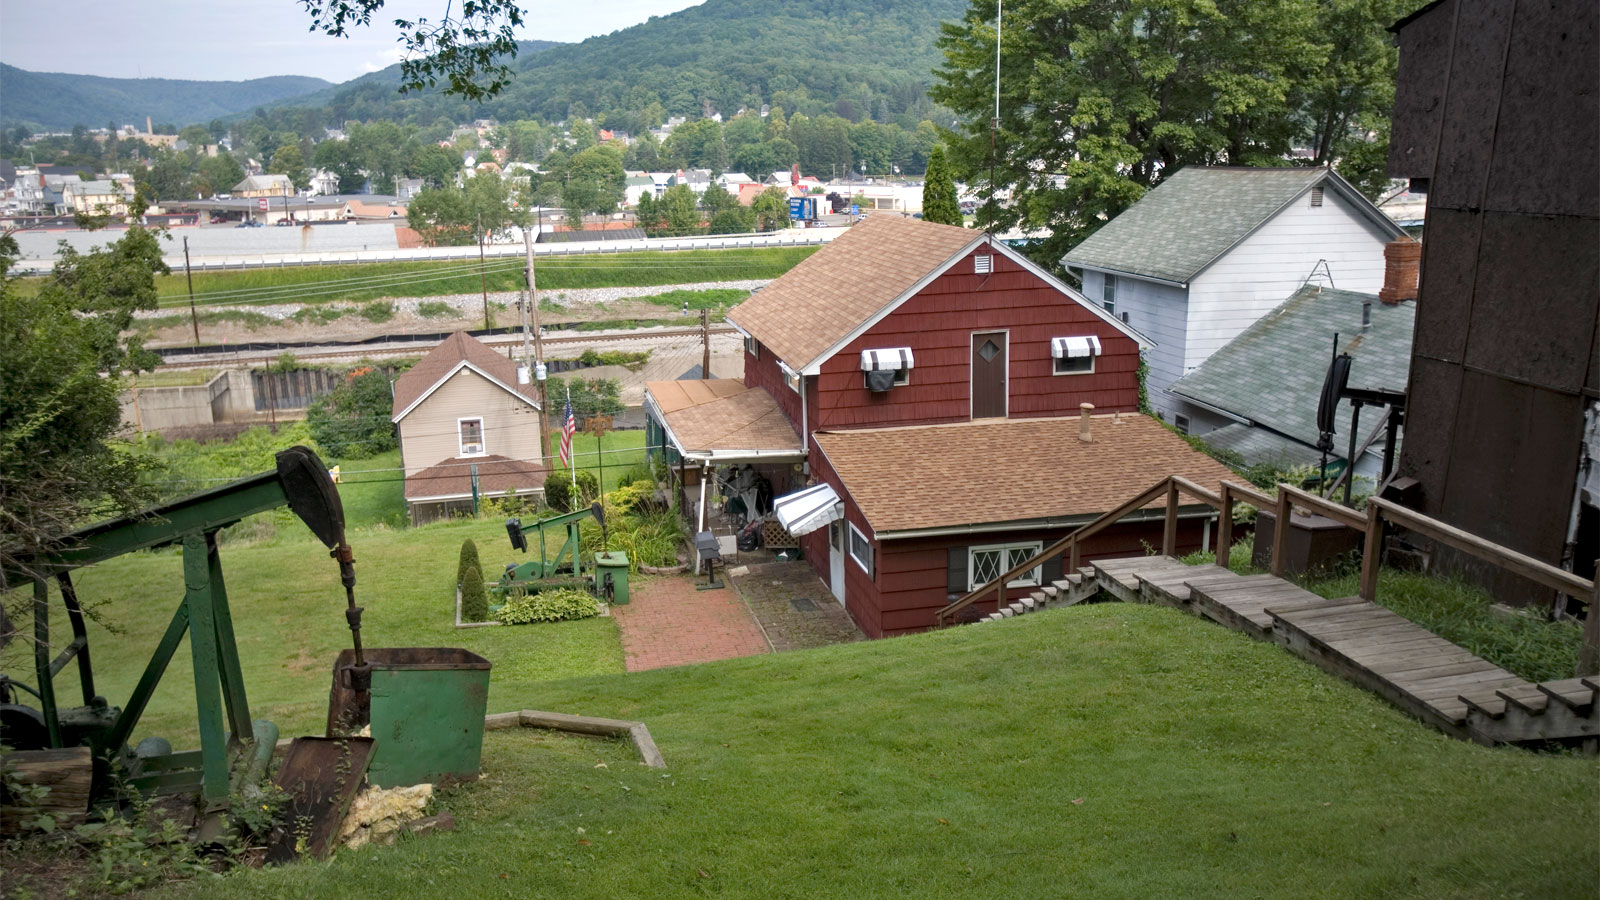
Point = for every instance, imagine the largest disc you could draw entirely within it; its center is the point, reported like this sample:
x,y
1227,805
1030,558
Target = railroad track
x,y
211,357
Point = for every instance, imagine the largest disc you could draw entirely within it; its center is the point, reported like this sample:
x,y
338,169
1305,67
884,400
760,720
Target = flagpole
x,y
572,462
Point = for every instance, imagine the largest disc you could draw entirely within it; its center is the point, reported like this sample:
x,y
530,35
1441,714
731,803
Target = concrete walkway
x,y
794,607
669,623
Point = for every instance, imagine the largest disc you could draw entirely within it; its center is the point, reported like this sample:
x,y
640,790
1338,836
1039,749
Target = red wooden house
x,y
934,379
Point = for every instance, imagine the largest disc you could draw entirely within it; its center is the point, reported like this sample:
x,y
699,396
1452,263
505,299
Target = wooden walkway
x,y
1420,672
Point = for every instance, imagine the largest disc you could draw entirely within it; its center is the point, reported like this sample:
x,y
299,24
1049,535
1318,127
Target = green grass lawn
x,y
617,451
288,613
371,281
1101,751
372,490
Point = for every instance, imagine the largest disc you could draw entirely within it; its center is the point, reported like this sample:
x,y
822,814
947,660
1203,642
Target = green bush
x,y
377,311
352,421
474,601
436,309
588,489
558,492
469,560
549,606
639,471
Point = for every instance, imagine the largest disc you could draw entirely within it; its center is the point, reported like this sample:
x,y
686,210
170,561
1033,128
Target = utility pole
x,y
538,353
194,317
483,279
705,343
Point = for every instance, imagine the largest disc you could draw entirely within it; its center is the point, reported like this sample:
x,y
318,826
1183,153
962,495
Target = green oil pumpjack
x,y
227,732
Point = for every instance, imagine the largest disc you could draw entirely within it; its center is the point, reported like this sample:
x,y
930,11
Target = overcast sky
x,y
231,40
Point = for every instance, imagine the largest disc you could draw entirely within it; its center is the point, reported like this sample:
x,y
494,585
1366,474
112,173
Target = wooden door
x,y
989,369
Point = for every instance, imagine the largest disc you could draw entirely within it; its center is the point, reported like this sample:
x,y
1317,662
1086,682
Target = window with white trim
x,y
792,379
1108,294
470,434
1074,355
899,360
985,564
752,347
860,549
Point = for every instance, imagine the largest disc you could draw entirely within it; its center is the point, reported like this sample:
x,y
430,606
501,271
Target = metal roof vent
x,y
983,264
1316,195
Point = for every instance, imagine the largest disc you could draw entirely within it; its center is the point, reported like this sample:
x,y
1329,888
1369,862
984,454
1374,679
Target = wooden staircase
x,y
1425,675
1068,591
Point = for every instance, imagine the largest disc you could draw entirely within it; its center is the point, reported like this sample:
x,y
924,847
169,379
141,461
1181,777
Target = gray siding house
x,y
1211,250
1267,381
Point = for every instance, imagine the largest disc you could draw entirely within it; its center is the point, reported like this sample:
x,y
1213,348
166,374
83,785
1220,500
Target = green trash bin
x,y
612,564
426,710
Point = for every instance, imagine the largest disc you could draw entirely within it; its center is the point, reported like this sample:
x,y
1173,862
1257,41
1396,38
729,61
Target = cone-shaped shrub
x,y
469,560
474,602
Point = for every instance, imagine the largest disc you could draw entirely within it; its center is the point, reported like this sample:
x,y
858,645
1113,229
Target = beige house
x,y
108,197
264,186
465,422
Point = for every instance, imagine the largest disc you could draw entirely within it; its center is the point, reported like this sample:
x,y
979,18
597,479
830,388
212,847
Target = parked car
x,y
218,220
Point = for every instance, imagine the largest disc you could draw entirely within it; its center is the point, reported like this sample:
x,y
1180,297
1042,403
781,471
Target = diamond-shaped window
x,y
989,350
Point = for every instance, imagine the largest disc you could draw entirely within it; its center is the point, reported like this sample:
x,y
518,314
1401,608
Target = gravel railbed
x,y
472,304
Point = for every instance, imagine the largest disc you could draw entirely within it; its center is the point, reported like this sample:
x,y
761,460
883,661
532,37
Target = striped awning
x,y
804,511
890,359
1074,347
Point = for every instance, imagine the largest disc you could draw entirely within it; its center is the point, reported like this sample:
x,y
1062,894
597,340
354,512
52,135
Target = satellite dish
x,y
1332,389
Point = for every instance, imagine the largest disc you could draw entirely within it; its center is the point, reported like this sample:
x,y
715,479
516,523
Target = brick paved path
x,y
669,623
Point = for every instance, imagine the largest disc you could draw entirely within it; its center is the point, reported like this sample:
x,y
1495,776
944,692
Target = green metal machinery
x,y
222,708
568,559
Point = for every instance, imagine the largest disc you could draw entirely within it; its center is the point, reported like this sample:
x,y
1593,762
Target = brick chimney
x,y
1084,409
1402,265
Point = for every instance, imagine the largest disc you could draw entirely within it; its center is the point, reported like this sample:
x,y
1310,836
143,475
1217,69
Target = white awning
x,y
804,511
889,359
1074,347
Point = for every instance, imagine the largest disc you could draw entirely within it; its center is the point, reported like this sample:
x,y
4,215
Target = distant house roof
x,y
1190,220
386,208
821,303
452,479
1272,373
722,419
1067,480
264,183
458,351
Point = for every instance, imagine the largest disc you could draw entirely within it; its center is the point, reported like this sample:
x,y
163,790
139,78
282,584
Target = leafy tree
x,y
196,135
715,199
697,145
771,209
435,165
644,154
352,421
649,214
462,52
222,171
452,216
340,158
1133,92
59,464
595,177
590,396
735,219
939,192
288,161
680,210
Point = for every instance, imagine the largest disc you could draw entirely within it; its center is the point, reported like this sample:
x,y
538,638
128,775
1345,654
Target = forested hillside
x,y
55,102
860,59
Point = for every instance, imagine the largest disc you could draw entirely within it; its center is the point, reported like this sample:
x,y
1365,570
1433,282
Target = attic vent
x,y
983,264
1316,195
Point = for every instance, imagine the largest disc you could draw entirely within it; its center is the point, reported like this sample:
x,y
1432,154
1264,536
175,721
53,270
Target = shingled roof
x,y
722,418
951,470
1272,373
497,476
831,293
1185,223
455,350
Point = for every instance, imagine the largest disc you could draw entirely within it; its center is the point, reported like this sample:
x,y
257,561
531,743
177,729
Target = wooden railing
x,y
1371,523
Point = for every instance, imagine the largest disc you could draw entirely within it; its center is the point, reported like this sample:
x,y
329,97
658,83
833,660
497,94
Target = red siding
x,y
761,370
913,582
937,325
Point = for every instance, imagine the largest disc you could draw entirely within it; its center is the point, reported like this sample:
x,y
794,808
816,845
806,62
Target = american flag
x,y
567,429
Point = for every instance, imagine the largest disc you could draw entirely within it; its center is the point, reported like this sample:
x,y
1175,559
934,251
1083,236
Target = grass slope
x,y
1103,751
371,281
288,611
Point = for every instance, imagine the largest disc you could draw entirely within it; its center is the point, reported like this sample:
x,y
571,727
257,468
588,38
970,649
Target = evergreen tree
x,y
939,192
468,560
474,602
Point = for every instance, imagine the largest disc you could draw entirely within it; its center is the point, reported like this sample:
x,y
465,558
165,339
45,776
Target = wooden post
x,y
1371,551
1280,533
1072,557
705,343
1169,533
1225,526
1589,652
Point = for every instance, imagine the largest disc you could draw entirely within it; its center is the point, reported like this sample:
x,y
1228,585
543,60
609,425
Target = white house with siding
x,y
1209,251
